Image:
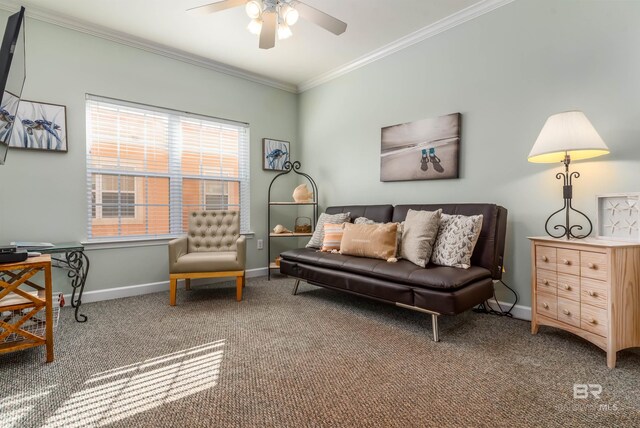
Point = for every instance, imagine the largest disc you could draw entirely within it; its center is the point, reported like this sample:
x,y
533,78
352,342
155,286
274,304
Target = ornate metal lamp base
x,y
567,230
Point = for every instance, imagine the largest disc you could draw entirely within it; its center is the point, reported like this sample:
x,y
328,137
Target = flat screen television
x,y
12,77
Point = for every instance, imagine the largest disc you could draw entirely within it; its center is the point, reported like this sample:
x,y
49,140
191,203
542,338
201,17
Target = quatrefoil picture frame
x,y
618,216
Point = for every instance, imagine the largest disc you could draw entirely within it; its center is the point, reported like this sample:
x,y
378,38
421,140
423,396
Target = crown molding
x,y
142,44
438,27
444,24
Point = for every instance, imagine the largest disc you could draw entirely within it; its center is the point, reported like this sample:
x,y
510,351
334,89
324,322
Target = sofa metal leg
x,y
295,287
434,325
434,318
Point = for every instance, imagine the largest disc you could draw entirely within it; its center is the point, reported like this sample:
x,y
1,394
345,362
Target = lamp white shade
x,y
569,133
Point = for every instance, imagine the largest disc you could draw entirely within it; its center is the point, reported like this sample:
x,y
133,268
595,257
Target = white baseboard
x,y
154,287
519,311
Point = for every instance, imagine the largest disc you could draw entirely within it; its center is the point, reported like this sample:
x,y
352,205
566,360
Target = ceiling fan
x,y
269,17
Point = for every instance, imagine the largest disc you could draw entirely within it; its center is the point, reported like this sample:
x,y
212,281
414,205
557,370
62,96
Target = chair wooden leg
x,y
187,284
239,281
173,289
244,282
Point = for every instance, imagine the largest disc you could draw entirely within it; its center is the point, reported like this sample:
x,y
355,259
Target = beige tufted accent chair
x,y
212,248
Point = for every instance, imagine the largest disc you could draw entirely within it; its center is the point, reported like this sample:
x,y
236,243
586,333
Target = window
x,y
113,196
148,168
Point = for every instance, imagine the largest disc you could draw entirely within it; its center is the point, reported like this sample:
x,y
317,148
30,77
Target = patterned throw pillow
x,y
457,237
318,234
364,220
377,241
332,237
419,235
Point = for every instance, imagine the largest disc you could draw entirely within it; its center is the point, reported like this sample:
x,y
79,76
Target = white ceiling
x,y
222,37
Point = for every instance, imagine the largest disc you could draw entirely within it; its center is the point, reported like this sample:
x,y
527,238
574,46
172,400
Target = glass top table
x,y
74,260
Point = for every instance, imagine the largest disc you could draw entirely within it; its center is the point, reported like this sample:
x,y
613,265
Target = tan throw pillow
x,y
332,237
457,237
376,241
364,220
418,236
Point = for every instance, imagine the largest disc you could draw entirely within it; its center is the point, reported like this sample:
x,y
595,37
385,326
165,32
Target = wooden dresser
x,y
589,287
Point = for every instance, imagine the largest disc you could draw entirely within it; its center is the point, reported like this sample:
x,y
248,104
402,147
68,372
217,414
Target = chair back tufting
x,y
213,231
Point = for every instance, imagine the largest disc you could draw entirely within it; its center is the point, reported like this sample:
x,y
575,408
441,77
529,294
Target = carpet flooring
x,y
319,359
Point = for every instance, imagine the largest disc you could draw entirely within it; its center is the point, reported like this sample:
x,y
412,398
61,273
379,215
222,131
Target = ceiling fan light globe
x,y
255,26
291,16
253,9
284,32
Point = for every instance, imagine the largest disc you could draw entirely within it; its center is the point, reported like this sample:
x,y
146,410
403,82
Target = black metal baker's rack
x,y
289,167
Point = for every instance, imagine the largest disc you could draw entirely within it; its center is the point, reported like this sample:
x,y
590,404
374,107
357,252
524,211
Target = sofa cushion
x,y
489,249
403,272
448,302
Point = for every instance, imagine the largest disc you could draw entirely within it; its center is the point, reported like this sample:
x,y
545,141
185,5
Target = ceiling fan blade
x,y
320,18
217,6
268,33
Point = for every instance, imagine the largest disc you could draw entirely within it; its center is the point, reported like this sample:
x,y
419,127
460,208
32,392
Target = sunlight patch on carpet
x,y
119,393
15,408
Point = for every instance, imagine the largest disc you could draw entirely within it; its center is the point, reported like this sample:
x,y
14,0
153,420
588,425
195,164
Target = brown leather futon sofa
x,y
436,290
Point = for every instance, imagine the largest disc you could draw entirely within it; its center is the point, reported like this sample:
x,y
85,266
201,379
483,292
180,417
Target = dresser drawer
x,y
569,311
546,281
546,257
593,319
568,261
547,305
569,286
594,292
594,265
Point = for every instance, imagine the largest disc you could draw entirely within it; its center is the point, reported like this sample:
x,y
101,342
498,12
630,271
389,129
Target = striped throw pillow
x,y
332,237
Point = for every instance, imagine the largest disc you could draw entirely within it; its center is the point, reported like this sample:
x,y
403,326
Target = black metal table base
x,y
76,263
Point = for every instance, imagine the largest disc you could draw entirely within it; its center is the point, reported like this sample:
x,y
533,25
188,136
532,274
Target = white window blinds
x,y
149,167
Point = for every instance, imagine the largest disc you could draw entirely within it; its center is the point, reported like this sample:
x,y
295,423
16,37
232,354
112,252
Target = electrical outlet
x,y
260,244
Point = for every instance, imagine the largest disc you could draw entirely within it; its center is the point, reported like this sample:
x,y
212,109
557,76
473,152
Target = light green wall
x,y
44,194
506,72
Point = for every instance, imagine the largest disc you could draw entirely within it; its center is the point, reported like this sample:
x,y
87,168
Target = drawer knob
x,y
592,294
545,259
567,287
546,305
545,282
566,262
566,312
593,321
591,266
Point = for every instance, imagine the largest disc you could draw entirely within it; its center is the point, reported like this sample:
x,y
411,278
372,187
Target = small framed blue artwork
x,y
274,154
40,126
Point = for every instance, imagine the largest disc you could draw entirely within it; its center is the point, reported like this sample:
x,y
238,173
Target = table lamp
x,y
565,137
